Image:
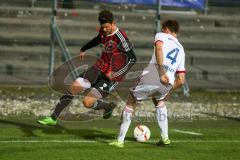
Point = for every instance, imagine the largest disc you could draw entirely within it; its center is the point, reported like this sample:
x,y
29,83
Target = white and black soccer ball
x,y
141,133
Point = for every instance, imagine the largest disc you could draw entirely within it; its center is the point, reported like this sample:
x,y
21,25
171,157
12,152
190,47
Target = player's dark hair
x,y
172,25
105,16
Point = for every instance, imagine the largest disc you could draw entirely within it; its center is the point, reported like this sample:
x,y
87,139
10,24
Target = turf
x,y
23,138
197,95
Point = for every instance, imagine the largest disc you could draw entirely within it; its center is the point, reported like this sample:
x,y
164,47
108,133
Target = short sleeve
x,y
181,67
159,37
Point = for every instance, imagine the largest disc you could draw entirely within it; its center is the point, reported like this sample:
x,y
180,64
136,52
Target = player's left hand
x,y
82,55
109,75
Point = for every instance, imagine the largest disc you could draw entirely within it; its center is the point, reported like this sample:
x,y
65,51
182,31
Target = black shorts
x,y
99,81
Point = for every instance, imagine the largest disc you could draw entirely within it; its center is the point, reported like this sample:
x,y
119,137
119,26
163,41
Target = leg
x,y
161,114
126,116
90,99
138,92
94,101
76,87
95,97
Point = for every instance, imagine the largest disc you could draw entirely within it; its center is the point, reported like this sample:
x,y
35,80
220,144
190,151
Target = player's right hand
x,y
164,79
82,55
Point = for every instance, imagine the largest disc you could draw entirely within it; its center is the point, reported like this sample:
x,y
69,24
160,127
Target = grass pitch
x,y
23,138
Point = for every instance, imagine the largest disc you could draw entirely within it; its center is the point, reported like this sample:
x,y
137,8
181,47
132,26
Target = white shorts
x,y
149,84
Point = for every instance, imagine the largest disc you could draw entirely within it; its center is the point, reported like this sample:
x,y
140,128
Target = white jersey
x,y
173,55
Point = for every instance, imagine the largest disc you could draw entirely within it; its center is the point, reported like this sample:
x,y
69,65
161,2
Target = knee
x,y
75,88
87,102
127,113
160,104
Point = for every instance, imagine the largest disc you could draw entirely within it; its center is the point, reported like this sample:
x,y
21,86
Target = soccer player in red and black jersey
x,y
115,61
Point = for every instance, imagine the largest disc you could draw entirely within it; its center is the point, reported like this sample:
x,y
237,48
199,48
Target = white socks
x,y
126,121
161,114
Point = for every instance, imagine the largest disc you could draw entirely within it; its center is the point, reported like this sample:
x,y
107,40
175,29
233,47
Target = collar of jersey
x,y
171,36
113,32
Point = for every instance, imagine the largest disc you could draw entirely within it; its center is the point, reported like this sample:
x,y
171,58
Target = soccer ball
x,y
141,133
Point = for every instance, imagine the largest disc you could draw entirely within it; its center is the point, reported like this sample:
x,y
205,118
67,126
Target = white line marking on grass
x,y
48,141
197,141
187,132
206,141
109,140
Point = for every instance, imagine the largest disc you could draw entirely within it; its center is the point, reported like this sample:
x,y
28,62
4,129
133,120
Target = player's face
x,y
107,28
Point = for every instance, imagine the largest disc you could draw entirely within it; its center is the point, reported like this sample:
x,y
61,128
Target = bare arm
x,y
179,81
159,58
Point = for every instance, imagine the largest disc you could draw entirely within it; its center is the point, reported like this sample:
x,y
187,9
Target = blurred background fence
x,y
211,37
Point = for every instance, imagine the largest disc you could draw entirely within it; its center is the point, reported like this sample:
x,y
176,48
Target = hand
x,y
164,79
82,55
109,75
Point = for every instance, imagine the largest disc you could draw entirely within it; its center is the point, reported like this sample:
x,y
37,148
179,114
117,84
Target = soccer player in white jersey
x,y
164,74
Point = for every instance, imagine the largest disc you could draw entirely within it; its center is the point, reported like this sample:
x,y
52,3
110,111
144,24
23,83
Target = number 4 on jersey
x,y
172,55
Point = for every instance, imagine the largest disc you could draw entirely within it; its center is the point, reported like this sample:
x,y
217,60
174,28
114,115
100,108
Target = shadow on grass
x,y
29,131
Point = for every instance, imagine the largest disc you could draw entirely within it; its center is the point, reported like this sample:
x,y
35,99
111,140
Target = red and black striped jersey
x,y
116,52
